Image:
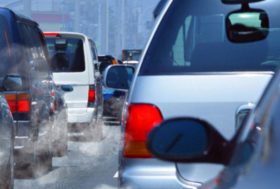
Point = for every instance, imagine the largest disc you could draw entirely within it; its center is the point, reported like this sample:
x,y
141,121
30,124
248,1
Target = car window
x,y
5,46
68,58
93,50
196,41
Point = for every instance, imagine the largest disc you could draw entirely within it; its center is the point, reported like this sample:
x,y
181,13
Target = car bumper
x,y
24,144
80,115
154,174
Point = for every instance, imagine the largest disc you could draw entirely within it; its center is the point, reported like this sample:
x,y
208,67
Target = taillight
x,y
91,96
51,34
23,103
19,103
141,119
12,101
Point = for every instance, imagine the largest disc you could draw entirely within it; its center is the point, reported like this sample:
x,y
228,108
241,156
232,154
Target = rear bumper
x,y
151,174
80,115
24,145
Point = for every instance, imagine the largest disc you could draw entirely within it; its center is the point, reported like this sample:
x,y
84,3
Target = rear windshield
x,y
6,54
192,38
67,54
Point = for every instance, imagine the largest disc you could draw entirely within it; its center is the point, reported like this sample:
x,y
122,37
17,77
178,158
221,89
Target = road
x,y
88,165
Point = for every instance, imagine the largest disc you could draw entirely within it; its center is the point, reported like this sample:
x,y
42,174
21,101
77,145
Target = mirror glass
x,y
247,26
119,77
177,139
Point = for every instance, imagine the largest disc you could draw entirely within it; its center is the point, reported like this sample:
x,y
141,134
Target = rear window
x,y
67,54
5,41
192,38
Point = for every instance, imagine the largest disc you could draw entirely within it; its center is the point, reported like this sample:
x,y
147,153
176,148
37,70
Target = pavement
x,y
87,165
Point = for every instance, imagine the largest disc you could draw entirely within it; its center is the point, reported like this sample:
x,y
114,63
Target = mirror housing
x,y
188,140
118,77
247,25
240,1
12,83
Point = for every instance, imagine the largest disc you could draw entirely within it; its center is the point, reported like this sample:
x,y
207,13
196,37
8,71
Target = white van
x,y
73,56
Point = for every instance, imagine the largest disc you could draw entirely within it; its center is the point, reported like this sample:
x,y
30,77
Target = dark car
x,y
6,145
114,100
24,55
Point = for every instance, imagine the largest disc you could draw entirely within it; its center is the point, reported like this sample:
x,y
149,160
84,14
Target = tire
x,y
7,179
41,165
60,135
97,129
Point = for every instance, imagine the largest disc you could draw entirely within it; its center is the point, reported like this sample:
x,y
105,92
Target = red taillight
x,y
141,119
51,34
19,103
12,101
91,96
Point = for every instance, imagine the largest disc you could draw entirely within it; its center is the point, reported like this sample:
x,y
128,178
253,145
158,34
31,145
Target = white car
x,y
73,59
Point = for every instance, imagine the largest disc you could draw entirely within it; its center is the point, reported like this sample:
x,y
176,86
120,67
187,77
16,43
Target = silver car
x,y
251,157
205,59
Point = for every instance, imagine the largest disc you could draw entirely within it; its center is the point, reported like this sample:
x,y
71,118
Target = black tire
x,y
60,135
96,128
7,180
41,165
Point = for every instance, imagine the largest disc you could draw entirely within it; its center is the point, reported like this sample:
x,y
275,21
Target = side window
x,y
5,42
93,50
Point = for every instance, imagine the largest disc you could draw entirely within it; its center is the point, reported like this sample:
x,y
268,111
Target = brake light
x,y
91,96
23,103
141,119
18,102
12,102
51,34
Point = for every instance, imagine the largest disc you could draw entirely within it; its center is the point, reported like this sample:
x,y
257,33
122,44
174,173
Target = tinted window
x,y
192,38
5,47
67,54
93,49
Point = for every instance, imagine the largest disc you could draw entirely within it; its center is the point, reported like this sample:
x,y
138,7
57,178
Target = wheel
x,y
60,135
7,175
96,129
41,165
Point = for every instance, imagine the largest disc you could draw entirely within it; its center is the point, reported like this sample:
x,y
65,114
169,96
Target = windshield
x,y
195,40
66,55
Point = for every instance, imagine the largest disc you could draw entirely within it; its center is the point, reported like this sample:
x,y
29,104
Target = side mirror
x,y
67,88
188,140
118,77
247,25
12,83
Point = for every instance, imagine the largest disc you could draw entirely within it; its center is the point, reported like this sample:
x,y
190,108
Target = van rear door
x,y
68,63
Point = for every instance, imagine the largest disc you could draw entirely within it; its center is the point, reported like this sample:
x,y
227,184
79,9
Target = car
x,y
25,64
7,132
114,100
206,60
131,56
251,157
105,61
73,59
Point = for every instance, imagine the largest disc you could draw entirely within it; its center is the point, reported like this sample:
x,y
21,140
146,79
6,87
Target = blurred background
x,y
113,24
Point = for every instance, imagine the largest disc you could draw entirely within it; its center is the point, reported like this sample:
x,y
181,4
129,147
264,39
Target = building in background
x,y
113,24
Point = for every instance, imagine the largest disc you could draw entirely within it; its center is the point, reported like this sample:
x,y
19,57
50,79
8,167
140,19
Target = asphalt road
x,y
88,165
